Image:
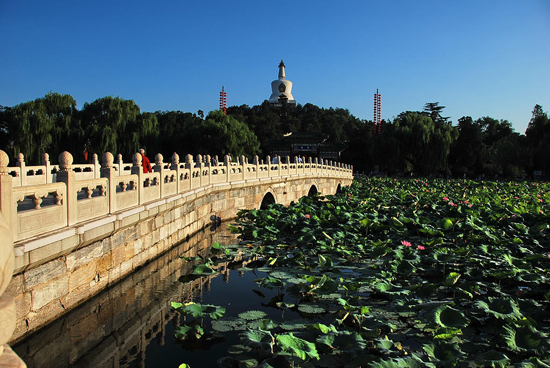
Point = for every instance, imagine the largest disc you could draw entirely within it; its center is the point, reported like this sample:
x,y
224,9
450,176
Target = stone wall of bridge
x,y
77,236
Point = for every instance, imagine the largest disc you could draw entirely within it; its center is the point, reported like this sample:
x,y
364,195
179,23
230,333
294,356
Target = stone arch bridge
x,y
78,229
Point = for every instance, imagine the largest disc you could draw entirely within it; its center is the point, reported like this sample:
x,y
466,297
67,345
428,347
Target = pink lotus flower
x,y
445,198
307,216
406,243
421,247
548,256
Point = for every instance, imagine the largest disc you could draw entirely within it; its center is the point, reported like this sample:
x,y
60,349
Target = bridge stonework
x,y
79,229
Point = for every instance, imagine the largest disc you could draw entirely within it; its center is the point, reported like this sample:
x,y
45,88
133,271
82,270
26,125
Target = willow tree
x,y
424,145
45,125
224,134
117,125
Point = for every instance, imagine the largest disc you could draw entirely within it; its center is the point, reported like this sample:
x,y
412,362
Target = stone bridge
x,y
71,231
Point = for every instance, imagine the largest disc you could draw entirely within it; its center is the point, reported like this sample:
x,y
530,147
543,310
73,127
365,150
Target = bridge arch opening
x,y
312,191
339,188
267,200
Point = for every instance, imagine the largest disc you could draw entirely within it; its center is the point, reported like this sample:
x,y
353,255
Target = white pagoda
x,y
281,89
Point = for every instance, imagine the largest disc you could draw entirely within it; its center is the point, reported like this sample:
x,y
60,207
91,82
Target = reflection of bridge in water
x,y
114,328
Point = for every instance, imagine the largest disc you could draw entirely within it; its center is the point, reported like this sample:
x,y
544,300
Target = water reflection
x,y
114,328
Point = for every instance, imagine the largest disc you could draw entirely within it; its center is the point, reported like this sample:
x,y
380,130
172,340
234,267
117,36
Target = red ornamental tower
x,y
377,113
223,101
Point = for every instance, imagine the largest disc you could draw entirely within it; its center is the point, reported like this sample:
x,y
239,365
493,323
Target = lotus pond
x,y
390,273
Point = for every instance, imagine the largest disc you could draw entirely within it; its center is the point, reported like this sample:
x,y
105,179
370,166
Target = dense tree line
x,y
422,142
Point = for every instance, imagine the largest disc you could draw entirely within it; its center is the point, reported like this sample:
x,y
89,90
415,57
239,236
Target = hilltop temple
x,y
281,89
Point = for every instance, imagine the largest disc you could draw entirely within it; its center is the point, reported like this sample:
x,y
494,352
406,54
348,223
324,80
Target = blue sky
x,y
477,58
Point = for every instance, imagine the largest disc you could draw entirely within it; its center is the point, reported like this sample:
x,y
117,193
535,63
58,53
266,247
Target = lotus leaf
x,y
303,349
251,315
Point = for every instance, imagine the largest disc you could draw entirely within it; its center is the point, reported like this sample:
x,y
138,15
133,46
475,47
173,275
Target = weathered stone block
x,y
16,285
47,313
46,293
82,276
84,255
23,304
76,296
44,273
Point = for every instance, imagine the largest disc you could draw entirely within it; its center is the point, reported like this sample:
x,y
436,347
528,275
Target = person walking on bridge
x,y
145,162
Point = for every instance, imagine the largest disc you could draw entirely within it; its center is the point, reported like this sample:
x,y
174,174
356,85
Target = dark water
x,y
131,324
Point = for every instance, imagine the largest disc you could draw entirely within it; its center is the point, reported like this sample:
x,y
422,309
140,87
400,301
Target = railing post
x,y
257,163
23,173
199,164
208,164
97,166
137,169
159,167
176,166
120,164
68,176
48,167
108,171
243,166
227,163
7,205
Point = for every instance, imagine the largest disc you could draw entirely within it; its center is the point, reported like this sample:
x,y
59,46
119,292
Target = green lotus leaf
x,y
444,354
324,328
324,285
188,331
203,270
238,349
451,279
342,341
295,324
404,267
229,324
251,315
258,339
312,308
447,316
409,362
446,333
384,344
325,261
202,310
444,256
388,288
500,308
525,339
303,349
241,361
533,362
270,283
184,365
494,359
262,324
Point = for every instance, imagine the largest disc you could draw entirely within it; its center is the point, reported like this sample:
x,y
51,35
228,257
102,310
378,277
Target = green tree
x,y
45,125
117,125
224,134
538,139
466,152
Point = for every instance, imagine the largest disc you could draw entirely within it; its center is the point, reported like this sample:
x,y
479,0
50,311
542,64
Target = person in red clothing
x,y
145,162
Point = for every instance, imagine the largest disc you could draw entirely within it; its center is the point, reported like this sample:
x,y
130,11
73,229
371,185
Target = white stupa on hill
x,y
281,89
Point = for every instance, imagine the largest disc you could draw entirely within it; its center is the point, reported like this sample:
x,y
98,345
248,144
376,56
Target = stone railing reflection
x,y
41,199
